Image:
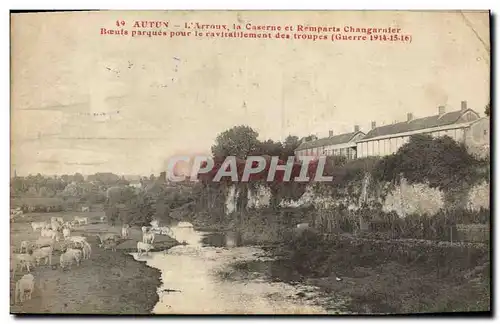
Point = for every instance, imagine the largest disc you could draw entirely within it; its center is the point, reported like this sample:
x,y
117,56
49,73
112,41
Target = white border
x,y
200,4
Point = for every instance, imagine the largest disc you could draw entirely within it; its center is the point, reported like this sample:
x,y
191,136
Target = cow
x,y
85,209
25,260
50,233
66,232
44,241
146,247
86,250
109,244
55,225
144,230
67,258
43,253
24,288
125,232
81,220
148,238
24,247
106,237
38,225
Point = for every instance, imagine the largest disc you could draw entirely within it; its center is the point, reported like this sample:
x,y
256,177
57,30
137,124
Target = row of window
x,y
349,152
378,147
391,145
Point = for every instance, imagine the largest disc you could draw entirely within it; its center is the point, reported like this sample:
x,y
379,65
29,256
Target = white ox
x,y
50,233
67,258
144,247
85,209
148,238
38,225
81,220
24,288
43,253
125,232
66,232
60,220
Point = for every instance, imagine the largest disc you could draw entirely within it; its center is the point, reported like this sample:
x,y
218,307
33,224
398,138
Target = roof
x,y
417,124
333,140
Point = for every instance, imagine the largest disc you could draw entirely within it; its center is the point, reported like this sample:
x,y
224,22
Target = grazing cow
x,y
44,241
67,258
86,250
103,218
85,209
68,225
38,225
148,238
25,260
24,247
60,220
107,237
43,253
55,226
81,220
50,233
125,231
146,247
66,232
109,244
24,288
77,240
77,253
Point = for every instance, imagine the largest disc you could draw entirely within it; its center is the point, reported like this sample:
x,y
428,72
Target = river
x,y
191,274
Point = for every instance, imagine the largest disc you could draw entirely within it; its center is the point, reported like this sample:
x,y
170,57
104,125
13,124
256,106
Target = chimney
x,y
330,133
409,117
356,128
464,105
441,111
374,125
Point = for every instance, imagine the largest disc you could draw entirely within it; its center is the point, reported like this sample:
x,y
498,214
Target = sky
x,y
159,97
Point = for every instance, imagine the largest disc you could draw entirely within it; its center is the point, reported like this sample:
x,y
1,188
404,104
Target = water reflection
x,y
222,239
192,284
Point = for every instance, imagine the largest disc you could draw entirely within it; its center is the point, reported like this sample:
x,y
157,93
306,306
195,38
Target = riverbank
x,y
107,283
379,277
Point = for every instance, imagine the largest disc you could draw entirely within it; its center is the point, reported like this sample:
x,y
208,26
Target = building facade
x,y
387,139
338,145
477,137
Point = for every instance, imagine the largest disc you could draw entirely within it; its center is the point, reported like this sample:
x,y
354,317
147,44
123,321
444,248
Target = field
x,y
107,283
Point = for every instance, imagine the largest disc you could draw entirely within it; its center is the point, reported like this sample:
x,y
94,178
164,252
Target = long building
x,y
339,145
387,139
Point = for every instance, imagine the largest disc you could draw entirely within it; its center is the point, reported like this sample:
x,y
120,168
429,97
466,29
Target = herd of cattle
x,y
74,249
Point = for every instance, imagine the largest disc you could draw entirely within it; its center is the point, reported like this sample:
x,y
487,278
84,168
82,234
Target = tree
x,y
78,177
487,110
239,141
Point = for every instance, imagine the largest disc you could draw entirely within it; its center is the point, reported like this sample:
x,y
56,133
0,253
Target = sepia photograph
x,y
246,162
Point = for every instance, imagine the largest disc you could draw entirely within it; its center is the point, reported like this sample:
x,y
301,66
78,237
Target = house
x,y
477,137
387,139
340,145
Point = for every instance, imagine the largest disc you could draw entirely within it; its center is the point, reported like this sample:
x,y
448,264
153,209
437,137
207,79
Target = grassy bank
x,y
382,277
107,283
379,276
